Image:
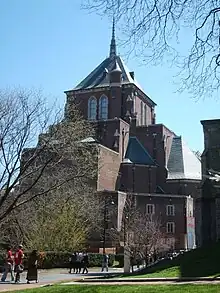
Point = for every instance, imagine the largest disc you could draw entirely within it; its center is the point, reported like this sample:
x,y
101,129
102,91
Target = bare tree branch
x,y
183,32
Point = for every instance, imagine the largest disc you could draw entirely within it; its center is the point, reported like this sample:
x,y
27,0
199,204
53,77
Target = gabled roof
x,y
182,162
137,154
99,76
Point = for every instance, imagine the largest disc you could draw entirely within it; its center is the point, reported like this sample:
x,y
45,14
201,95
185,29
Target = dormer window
x,y
103,108
92,108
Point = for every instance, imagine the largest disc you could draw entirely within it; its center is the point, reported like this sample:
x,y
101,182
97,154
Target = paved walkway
x,y
48,277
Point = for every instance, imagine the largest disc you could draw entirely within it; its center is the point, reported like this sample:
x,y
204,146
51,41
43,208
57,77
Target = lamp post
x,y
105,222
126,250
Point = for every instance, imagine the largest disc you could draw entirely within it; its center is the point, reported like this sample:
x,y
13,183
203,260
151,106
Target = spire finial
x,y
113,43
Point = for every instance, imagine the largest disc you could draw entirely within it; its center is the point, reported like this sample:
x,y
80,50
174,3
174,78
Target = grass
x,y
126,289
200,262
169,272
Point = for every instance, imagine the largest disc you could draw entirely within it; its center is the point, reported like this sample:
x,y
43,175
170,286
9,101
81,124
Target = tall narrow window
x,y
92,108
142,110
150,209
103,108
145,114
170,227
170,210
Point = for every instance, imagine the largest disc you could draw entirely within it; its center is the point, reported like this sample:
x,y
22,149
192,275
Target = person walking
x,y
19,255
85,263
8,266
105,262
79,262
32,274
72,263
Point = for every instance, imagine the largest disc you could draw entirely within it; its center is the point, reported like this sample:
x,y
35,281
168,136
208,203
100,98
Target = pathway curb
x,y
146,280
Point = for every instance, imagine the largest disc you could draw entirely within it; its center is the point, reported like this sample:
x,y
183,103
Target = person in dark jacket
x,y
72,263
32,274
85,263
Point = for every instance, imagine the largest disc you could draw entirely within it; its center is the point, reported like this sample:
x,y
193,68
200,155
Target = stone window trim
x,y
170,210
92,108
150,209
170,227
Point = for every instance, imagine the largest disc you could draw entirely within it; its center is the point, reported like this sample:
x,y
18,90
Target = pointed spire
x,y
113,43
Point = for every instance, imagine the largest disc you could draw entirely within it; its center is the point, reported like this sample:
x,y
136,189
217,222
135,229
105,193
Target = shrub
x,y
120,259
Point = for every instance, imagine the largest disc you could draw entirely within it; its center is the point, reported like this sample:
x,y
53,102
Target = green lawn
x,y
166,273
126,289
201,262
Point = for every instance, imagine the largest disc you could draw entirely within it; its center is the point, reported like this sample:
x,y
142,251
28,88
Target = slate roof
x,y
137,154
182,162
99,77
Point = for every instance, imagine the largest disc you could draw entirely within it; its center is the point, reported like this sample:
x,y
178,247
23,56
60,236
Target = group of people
x,y
13,264
79,262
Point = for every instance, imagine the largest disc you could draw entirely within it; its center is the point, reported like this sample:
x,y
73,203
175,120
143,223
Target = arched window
x,y
92,108
145,114
103,108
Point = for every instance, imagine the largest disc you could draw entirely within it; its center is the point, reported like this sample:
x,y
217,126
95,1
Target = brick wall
x,y
109,164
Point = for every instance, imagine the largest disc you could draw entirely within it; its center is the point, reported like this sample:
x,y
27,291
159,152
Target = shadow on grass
x,y
200,262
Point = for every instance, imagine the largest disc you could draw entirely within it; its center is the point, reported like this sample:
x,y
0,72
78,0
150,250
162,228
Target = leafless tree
x,y
185,32
141,233
31,168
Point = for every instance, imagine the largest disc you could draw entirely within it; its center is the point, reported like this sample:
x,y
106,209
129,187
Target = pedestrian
x,y
72,263
105,262
8,265
32,274
85,263
19,255
79,262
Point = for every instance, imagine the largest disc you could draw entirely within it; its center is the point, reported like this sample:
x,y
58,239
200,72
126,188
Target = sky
x,y
53,44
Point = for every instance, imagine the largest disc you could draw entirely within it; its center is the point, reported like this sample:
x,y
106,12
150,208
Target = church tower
x,y
109,93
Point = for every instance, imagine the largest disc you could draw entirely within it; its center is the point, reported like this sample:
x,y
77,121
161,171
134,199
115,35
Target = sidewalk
x,y
147,280
50,277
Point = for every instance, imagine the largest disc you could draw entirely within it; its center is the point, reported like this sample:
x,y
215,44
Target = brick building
x,y
137,155
208,205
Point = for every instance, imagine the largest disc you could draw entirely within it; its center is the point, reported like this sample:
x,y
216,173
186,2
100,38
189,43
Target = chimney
x,y
132,74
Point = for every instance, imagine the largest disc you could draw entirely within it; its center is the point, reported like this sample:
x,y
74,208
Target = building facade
x,y
137,155
208,205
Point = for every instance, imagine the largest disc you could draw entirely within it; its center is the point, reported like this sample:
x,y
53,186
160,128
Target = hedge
x,y
49,260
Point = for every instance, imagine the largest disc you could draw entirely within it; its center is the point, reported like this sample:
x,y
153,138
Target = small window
x,y
171,227
170,210
150,209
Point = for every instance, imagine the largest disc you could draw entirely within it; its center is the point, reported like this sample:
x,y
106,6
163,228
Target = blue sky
x,y
53,44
